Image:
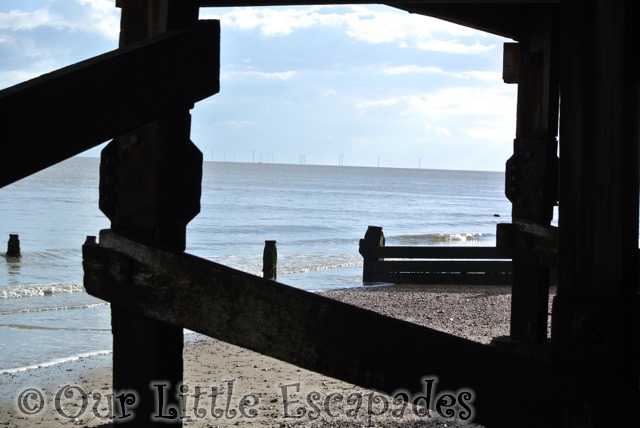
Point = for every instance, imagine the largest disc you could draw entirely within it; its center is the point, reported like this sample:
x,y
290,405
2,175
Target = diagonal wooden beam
x,y
61,114
326,336
502,17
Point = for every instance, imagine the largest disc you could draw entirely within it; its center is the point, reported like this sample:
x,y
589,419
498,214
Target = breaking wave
x,y
34,290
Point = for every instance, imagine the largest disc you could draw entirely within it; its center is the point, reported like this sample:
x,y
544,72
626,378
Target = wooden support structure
x,y
61,114
150,189
503,17
531,242
531,173
595,313
333,338
443,265
373,238
150,178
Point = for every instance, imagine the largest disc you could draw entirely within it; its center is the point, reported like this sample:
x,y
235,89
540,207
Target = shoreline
x,y
477,313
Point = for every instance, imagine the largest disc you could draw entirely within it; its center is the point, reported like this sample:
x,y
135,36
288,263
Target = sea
x,y
317,214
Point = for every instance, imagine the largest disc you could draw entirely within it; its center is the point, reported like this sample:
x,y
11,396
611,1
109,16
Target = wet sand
x,y
258,385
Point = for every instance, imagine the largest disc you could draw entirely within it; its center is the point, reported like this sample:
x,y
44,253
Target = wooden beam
x,y
503,17
511,60
61,114
531,173
435,252
415,277
533,243
333,338
595,317
460,266
150,184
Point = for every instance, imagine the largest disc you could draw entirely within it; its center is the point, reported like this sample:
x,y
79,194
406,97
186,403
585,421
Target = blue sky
x,y
365,82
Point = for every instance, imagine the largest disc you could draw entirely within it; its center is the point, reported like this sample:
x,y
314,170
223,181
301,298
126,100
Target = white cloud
x,y
17,20
486,113
274,21
101,17
367,24
438,130
366,104
12,77
359,142
453,46
411,69
240,123
483,101
4,39
486,76
278,75
91,16
495,130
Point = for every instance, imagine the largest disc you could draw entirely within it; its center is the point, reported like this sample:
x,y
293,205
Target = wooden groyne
x,y
270,260
431,265
13,246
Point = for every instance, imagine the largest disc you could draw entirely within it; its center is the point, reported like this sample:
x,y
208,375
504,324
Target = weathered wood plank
x,y
531,173
595,321
61,114
150,184
373,239
435,266
330,337
533,245
503,17
436,252
442,278
466,260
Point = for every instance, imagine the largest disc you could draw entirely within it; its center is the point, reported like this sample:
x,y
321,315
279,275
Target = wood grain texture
x,y
150,184
531,173
435,252
596,309
61,114
327,336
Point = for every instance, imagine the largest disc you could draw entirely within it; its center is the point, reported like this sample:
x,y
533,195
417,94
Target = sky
x,y
358,85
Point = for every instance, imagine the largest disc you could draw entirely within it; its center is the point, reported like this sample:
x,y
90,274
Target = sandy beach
x,y
260,386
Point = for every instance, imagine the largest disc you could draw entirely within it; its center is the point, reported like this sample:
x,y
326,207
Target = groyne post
x,y
270,260
373,238
13,246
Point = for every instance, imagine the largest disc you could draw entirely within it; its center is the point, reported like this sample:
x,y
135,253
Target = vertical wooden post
x,y
13,246
270,260
595,314
150,190
373,238
531,176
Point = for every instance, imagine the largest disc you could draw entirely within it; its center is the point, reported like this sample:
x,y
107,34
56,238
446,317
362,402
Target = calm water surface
x,y
316,214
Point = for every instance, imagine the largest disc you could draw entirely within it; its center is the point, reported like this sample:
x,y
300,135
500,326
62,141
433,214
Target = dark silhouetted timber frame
x,y
582,50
